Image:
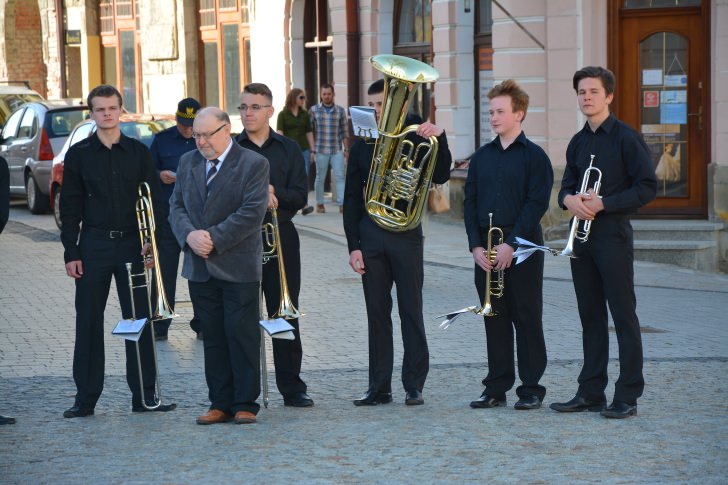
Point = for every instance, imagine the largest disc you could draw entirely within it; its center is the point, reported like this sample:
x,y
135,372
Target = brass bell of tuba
x,y
401,171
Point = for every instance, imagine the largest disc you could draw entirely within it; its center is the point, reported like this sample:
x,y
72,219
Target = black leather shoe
x,y
77,412
578,404
161,409
298,400
414,398
372,398
6,420
159,337
486,401
619,410
307,210
530,402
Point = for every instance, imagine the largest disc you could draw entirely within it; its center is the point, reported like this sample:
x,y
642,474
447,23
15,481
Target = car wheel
x,y
57,206
37,202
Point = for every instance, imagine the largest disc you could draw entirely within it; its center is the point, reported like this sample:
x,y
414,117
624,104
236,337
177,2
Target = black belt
x,y
110,233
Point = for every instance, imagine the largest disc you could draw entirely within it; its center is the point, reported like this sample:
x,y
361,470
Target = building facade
x,y
669,56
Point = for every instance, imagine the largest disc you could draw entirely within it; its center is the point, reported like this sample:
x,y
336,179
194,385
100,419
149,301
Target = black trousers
x,y
103,259
391,257
603,275
169,252
287,354
229,314
520,307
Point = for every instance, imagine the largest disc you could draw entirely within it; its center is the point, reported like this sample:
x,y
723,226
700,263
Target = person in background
x,y
167,148
330,131
294,122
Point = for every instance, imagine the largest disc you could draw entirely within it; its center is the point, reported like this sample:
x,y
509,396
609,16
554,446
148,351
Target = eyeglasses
x,y
254,107
302,97
207,136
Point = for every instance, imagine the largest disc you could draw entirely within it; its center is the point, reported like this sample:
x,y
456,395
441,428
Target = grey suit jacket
x,y
232,213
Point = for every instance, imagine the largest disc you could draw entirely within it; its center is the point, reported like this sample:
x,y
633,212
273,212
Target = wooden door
x,y
660,57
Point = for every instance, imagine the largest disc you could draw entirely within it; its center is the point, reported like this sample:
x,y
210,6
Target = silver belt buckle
x,y
116,234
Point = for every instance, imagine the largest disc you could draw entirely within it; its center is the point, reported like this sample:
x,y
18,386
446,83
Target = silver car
x,y
31,137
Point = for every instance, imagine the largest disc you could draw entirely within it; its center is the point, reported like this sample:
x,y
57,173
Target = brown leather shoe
x,y
320,208
214,416
244,417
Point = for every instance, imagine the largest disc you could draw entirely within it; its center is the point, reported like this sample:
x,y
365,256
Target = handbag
x,y
436,200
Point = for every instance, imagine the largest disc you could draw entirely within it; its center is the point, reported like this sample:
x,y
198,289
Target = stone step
x,y
683,230
698,255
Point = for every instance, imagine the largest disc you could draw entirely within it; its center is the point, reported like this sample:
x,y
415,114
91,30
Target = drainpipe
x,y
61,37
353,52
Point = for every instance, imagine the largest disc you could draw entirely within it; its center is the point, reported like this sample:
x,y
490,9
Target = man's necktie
x,y
211,173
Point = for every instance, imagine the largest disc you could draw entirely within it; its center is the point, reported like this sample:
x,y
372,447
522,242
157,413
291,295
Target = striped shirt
x,y
329,128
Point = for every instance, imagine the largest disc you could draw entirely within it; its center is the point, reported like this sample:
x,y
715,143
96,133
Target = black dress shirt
x,y
628,176
100,188
287,172
357,173
514,184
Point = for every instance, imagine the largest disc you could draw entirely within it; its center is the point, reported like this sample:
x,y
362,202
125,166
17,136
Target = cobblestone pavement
x,y
679,436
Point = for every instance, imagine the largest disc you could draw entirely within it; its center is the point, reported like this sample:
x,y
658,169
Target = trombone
x,y
493,286
272,249
582,233
147,226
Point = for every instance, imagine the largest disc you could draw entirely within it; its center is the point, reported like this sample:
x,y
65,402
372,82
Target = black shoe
x,y
160,336
77,412
163,408
619,410
486,401
307,210
298,400
372,398
6,420
530,402
578,404
414,398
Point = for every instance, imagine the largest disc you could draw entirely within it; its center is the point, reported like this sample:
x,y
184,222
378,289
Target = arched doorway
x,y
23,41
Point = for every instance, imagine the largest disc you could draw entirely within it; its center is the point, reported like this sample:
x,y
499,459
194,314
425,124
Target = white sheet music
x,y
364,121
278,328
129,329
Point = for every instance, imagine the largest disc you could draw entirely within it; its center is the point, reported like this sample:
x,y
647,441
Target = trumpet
x,y
580,229
273,249
493,286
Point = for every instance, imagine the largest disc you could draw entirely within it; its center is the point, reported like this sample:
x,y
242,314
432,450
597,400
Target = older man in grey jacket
x,y
216,211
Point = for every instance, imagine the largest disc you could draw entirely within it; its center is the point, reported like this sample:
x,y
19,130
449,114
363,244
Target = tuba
x,y
401,171
580,229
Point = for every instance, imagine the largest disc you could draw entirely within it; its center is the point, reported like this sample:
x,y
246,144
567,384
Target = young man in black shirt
x,y
603,268
382,257
287,191
510,178
100,235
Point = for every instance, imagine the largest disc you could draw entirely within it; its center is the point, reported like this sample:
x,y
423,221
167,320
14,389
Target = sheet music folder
x,y
364,121
129,329
278,328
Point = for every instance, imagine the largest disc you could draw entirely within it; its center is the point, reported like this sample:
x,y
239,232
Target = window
x,y
28,125
413,38
121,50
660,3
224,35
483,55
11,127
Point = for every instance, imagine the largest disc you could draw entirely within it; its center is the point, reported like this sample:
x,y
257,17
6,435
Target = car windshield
x,y
141,130
11,102
60,123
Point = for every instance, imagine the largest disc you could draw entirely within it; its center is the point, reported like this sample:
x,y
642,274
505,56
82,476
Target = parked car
x,y
13,95
141,127
29,140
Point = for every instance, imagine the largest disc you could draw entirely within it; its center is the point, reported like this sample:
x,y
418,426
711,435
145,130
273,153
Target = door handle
x,y
699,114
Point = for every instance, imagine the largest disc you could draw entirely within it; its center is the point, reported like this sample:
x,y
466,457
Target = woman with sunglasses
x,y
294,122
